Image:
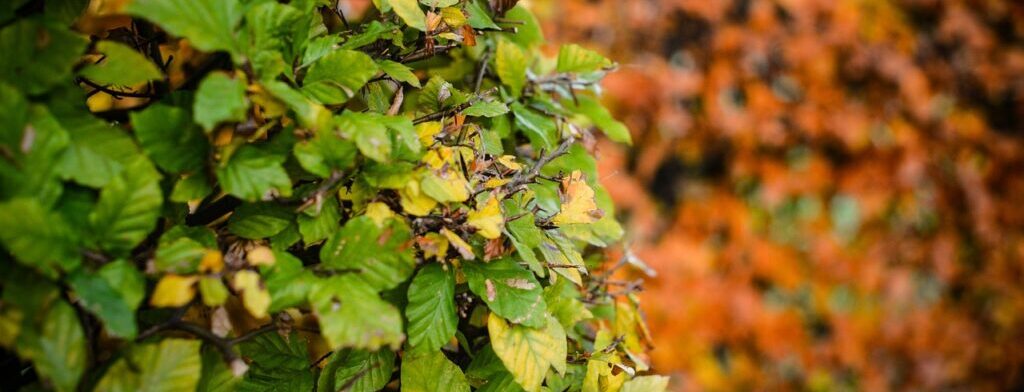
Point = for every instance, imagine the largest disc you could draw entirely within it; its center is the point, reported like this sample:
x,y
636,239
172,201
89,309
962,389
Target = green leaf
x,y
169,137
288,282
432,372
121,65
259,220
563,300
309,113
209,25
352,315
278,364
381,254
167,366
36,237
317,228
646,384
97,155
372,32
369,132
439,3
181,248
14,116
509,290
126,280
96,294
524,235
191,187
399,72
575,58
487,373
38,56
510,62
252,173
32,173
486,109
357,371
220,99
527,352
591,108
324,153
271,27
336,77
541,130
57,348
128,208
216,376
528,32
410,12
431,309
478,18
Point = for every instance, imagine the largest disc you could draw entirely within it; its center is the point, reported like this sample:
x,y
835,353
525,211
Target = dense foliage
x,y
256,195
830,189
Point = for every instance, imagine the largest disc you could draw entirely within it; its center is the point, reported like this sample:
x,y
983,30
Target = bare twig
x,y
115,93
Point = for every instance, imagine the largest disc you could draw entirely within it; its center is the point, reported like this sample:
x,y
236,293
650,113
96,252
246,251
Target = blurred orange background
x,y
830,191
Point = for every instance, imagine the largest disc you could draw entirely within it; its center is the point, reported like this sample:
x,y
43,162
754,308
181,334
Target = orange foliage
x,y
830,191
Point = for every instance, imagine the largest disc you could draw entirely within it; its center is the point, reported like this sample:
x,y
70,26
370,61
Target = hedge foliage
x,y
290,201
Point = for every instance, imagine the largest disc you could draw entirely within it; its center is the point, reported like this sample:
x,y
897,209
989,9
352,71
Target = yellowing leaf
x,y
427,131
255,298
433,245
213,291
487,219
414,201
212,261
260,255
578,204
445,186
379,213
527,352
496,182
454,17
460,245
173,291
509,161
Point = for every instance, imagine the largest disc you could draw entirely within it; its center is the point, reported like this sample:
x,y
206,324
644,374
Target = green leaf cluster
x,y
400,201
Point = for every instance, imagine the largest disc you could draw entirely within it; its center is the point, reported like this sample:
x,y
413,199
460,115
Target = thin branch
x,y
318,194
115,93
530,176
483,71
424,54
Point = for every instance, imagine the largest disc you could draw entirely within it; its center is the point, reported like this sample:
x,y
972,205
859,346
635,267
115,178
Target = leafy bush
x,y
283,200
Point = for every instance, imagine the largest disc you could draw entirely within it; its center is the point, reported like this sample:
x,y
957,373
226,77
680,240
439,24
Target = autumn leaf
x,y
577,199
173,291
255,297
487,219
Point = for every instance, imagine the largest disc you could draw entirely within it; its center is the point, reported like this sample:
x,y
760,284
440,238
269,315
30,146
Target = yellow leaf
x,y
509,161
445,186
379,213
453,16
578,204
427,131
255,298
487,219
260,255
496,182
460,245
173,291
212,261
414,201
433,245
527,352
